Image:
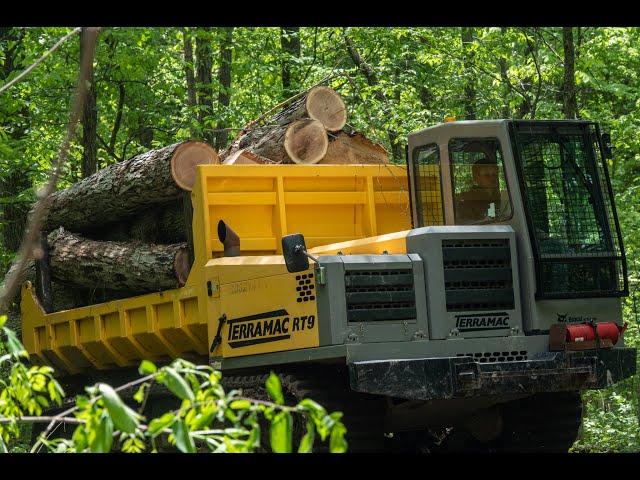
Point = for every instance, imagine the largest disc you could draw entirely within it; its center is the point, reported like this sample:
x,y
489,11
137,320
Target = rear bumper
x,y
459,377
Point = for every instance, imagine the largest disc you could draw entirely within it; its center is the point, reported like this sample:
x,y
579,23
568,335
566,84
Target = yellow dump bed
x,y
327,203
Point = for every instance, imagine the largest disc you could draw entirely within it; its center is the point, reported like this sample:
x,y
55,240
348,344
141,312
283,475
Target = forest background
x,y
154,86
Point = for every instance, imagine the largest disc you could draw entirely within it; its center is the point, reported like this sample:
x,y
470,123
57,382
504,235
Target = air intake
x,y
477,274
374,295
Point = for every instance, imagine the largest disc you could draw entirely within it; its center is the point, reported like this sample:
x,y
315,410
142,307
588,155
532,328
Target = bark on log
x,y
320,103
134,267
303,141
65,297
163,224
125,188
353,149
245,157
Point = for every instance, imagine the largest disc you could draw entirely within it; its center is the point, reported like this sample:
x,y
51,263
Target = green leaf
x,y
158,424
102,436
13,344
82,401
176,384
275,388
315,409
79,437
337,442
3,320
147,368
306,444
240,405
3,446
280,433
139,395
124,418
184,442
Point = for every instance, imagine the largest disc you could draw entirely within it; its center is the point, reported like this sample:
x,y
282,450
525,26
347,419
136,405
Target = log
x,y
320,103
64,297
134,267
245,157
126,188
354,148
303,141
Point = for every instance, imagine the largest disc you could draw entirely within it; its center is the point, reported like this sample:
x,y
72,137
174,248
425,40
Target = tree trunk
x,y
64,298
469,97
134,267
353,149
570,103
126,188
224,84
320,103
204,65
303,141
89,119
290,43
245,157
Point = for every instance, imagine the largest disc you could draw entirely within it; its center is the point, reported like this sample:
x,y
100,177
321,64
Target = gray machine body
x,y
456,292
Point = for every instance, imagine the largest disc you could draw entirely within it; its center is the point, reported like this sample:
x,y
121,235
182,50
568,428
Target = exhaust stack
x,y
229,239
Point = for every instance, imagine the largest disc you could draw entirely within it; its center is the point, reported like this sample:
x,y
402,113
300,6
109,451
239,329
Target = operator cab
x,y
548,180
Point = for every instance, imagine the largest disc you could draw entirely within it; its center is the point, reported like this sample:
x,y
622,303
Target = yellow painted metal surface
x,y
336,207
266,308
391,243
326,203
157,326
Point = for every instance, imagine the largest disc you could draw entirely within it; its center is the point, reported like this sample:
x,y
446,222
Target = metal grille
x,y
570,211
478,181
380,295
477,274
426,172
492,357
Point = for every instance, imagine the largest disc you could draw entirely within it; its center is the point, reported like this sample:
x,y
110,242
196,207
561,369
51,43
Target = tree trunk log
x,y
320,103
134,267
66,297
125,188
303,141
245,157
354,149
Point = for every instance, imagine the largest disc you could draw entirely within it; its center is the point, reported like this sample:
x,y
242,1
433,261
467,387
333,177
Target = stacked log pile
x,y
125,230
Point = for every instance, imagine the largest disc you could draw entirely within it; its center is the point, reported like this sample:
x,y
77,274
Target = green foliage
x,y
208,419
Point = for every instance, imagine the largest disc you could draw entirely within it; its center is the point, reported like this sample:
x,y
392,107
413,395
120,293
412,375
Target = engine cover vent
x,y
477,274
374,295
492,357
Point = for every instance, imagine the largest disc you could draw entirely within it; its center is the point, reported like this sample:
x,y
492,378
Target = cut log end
x,y
306,141
326,105
182,266
244,157
186,158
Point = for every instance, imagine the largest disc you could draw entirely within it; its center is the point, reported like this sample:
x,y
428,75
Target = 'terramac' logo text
x,y
266,327
482,321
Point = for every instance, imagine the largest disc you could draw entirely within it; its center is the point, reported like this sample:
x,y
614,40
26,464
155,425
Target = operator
x,y
483,200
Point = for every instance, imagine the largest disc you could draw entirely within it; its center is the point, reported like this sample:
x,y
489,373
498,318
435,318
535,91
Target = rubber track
x,y
546,422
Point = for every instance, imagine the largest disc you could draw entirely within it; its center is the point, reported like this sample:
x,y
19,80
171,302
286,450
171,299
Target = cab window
x,y
426,171
479,187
